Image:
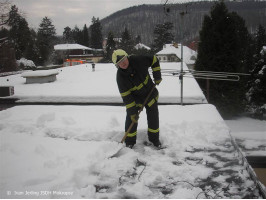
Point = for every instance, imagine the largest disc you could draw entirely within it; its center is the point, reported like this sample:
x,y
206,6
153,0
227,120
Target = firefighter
x,y
134,84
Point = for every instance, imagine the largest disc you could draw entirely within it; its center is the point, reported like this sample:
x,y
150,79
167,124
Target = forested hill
x,y
141,20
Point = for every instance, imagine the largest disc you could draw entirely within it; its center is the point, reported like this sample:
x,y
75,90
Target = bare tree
x,y
4,10
4,18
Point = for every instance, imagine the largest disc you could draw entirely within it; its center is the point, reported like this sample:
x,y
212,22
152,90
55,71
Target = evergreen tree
x,y
162,35
7,57
31,51
256,95
223,47
7,51
96,34
46,40
110,46
126,42
3,34
68,35
85,36
77,35
260,39
19,32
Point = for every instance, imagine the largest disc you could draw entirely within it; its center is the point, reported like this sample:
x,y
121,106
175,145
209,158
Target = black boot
x,y
157,144
130,146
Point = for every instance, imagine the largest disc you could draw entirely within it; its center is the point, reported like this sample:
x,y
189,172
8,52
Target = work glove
x,y
157,82
134,118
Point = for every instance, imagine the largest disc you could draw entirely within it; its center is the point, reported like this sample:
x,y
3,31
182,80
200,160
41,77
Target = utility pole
x,y
182,38
181,74
182,13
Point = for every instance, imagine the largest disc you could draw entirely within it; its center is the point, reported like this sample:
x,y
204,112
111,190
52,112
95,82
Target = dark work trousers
x,y
153,125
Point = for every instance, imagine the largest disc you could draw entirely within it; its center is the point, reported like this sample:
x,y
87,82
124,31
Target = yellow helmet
x,y
118,55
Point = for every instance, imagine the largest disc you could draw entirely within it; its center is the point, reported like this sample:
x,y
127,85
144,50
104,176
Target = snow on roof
x,y
70,46
142,46
189,55
79,84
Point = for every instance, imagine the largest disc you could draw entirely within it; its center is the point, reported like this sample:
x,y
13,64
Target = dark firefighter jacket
x,y
135,83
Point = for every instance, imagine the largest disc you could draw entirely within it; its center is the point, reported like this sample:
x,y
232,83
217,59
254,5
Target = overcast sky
x,y
72,12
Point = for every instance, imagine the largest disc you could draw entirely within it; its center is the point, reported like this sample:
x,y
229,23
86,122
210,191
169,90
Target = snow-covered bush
x,y
23,63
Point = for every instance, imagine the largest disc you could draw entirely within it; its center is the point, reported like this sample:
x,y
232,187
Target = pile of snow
x,y
81,84
74,152
26,64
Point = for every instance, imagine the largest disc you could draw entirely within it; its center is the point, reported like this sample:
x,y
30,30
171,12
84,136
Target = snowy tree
x,y
223,47
260,39
256,95
126,42
96,33
162,35
45,40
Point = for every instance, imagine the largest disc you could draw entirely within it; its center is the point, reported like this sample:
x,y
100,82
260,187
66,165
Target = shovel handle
x,y
132,123
128,130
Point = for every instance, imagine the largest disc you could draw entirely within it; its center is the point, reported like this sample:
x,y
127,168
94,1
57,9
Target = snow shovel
x,y
139,111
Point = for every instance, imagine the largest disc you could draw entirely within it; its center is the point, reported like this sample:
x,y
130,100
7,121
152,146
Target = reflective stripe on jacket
x,y
135,82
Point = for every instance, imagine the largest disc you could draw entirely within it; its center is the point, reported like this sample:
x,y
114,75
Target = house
x,y
142,46
77,53
172,53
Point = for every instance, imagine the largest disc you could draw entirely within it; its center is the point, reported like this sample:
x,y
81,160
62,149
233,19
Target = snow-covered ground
x,y
250,135
74,151
70,151
80,84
